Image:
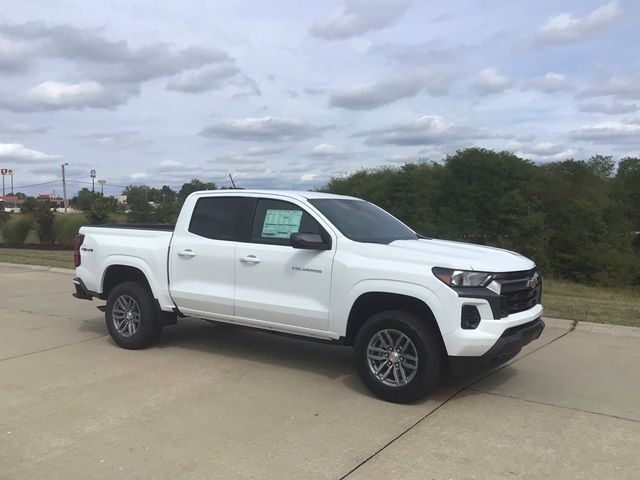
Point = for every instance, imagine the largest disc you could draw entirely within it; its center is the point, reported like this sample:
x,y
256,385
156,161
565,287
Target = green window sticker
x,y
281,223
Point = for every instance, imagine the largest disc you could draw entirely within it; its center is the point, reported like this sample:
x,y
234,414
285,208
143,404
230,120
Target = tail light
x,y
77,242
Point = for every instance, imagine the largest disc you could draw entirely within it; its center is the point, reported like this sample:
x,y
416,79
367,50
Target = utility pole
x,y
64,188
3,184
11,173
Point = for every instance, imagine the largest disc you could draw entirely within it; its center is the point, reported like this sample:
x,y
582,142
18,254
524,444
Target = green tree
x,y
28,206
96,207
167,205
139,210
194,185
44,216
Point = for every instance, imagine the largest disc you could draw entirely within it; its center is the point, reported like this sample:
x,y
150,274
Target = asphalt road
x,y
229,403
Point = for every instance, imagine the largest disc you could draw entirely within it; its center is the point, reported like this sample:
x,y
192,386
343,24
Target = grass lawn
x,y
48,258
620,306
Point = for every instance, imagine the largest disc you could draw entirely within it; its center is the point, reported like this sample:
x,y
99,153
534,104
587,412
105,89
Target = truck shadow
x,y
329,360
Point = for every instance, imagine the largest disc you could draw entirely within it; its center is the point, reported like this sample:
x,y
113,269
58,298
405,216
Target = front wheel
x,y
398,356
131,317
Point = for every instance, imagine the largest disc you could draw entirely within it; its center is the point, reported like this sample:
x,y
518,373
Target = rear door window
x,y
220,218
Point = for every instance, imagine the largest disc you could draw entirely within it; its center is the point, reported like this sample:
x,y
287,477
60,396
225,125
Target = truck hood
x,y
465,256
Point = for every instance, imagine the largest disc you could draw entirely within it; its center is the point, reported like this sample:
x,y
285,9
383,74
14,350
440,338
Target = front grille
x,y
516,292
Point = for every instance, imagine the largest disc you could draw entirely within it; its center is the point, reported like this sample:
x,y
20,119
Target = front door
x,y
279,284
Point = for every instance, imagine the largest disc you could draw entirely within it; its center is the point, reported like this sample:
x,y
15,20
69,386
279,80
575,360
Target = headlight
x,y
462,278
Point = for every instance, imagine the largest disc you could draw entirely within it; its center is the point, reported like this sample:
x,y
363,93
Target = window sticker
x,y
281,223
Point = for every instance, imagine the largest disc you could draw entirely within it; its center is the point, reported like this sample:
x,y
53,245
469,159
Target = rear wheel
x,y
398,356
131,317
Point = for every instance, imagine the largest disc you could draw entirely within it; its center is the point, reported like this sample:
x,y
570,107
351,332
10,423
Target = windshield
x,y
362,221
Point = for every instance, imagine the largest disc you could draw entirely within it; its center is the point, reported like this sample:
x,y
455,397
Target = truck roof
x,y
298,194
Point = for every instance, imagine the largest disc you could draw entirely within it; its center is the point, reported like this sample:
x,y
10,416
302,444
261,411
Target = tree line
x,y
577,219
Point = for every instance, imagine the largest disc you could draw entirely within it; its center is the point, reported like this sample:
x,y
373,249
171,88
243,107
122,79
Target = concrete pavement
x,y
226,402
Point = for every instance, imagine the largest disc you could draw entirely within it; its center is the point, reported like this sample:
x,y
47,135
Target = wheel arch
x,y
116,274
370,303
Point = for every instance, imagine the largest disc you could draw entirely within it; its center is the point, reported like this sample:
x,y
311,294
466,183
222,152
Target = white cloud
x,y
53,95
264,150
139,176
565,28
367,96
620,85
613,108
545,151
263,129
427,130
205,79
358,17
113,70
550,83
116,140
490,81
18,152
403,158
19,128
609,132
328,151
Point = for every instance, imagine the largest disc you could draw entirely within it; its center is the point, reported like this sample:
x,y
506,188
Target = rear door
x,y
277,283
203,256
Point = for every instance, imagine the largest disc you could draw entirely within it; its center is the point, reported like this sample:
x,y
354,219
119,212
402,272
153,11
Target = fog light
x,y
470,317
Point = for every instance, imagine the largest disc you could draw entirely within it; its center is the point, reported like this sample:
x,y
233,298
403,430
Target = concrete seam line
x,y
41,313
401,434
573,327
538,402
52,348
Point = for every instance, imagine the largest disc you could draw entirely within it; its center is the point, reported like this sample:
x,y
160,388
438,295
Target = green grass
x,y
619,306
561,299
48,258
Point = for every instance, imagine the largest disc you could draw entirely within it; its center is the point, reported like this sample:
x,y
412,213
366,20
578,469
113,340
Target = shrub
x,y
66,226
44,216
16,229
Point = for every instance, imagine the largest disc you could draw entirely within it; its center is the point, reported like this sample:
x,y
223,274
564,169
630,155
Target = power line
x,y
89,183
38,184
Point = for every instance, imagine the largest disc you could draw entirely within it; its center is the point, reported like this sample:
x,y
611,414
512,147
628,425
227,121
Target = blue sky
x,y
286,94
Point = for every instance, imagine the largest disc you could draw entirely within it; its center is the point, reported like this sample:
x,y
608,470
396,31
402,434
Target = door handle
x,y
187,253
250,259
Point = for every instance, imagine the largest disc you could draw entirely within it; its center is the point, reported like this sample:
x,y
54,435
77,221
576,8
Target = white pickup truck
x,y
316,265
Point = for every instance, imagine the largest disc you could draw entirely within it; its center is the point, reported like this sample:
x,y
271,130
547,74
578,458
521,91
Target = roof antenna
x,y
232,182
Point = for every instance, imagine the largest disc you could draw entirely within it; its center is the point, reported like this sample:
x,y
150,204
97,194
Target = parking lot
x,y
227,402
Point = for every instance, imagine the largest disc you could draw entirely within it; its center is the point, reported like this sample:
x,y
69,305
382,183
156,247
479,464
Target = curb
x,y
39,268
562,323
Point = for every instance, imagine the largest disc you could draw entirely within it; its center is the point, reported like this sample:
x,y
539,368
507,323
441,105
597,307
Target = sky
x,y
287,94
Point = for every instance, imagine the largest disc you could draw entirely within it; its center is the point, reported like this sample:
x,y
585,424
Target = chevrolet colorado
x,y
316,265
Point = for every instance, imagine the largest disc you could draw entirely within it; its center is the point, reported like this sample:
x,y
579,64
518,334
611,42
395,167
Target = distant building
x,y
53,201
11,201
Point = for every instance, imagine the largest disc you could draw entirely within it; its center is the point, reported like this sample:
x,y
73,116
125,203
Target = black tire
x,y
415,381
137,296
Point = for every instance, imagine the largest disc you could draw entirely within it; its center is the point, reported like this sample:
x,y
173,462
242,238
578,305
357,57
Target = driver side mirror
x,y
309,241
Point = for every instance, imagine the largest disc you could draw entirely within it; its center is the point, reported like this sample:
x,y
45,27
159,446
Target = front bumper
x,y
506,347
